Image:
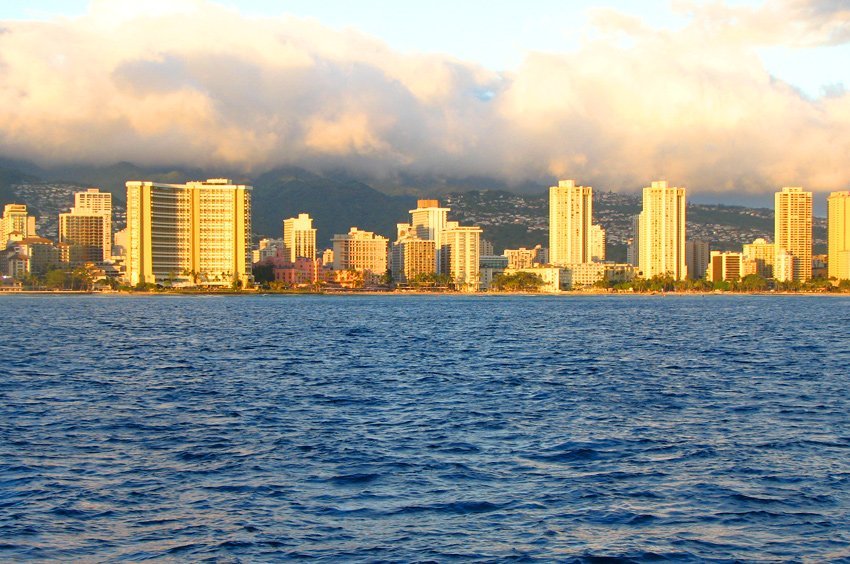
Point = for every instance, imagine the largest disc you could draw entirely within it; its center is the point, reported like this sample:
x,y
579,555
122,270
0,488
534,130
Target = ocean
x,y
424,428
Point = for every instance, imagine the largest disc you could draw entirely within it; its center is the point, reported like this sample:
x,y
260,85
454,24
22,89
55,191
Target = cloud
x,y
195,83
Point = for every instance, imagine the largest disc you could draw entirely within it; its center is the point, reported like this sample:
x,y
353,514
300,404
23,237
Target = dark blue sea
x,y
411,428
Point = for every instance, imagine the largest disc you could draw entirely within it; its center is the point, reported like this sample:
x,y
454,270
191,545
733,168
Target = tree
x,y
55,279
753,283
517,282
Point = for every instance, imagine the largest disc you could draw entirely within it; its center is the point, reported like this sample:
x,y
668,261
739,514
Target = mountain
x,y
335,205
8,178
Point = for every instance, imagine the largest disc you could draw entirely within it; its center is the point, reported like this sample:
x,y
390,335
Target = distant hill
x,y
335,205
8,178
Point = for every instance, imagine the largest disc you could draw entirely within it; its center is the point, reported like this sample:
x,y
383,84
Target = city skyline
x,y
703,80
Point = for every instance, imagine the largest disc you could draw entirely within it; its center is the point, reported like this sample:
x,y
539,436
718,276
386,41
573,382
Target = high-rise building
x,y
696,258
793,232
570,216
662,232
428,222
194,233
462,254
724,266
761,255
299,238
84,233
412,257
784,266
361,251
838,213
96,202
633,244
597,243
16,223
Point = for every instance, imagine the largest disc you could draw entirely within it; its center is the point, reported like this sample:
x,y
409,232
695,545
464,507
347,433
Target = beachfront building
x,y
524,258
361,251
838,246
428,223
661,235
793,229
461,246
570,216
299,238
726,266
188,234
83,233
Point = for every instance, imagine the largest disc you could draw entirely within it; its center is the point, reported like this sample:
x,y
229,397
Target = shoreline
x,y
566,293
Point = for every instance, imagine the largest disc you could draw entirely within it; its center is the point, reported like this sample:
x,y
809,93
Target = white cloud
x,y
195,83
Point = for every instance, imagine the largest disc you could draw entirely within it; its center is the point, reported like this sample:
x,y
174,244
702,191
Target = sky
x,y
724,97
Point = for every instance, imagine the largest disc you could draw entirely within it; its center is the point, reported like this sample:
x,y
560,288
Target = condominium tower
x,y
194,233
838,212
463,254
87,228
570,216
793,232
662,232
299,238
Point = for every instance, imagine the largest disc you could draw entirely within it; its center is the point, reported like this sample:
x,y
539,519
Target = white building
x,y
662,232
299,238
570,215
461,246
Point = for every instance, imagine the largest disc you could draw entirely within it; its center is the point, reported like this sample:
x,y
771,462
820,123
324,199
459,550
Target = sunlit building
x,y
570,216
461,246
299,238
793,232
724,266
838,246
661,236
428,222
597,243
761,255
194,233
16,222
362,251
524,258
85,234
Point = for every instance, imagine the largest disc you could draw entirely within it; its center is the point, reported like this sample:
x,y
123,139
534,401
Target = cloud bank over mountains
x,y
190,82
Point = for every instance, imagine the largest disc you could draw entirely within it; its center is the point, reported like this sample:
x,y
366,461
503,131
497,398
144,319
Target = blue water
x,y
424,428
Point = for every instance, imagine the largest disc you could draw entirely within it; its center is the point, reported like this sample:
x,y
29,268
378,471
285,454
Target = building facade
x,y
696,258
761,255
428,222
194,233
661,235
838,246
725,266
570,216
793,229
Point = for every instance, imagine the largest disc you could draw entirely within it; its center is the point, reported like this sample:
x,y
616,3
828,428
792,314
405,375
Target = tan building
x,y
761,255
412,257
597,243
554,278
362,251
662,232
194,233
16,223
784,266
87,236
793,229
725,266
587,274
95,201
299,238
696,258
570,216
838,213
462,251
524,258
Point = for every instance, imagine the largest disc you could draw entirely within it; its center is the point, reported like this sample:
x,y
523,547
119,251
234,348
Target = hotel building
x,y
362,251
299,238
838,213
793,233
570,216
428,222
696,258
725,266
761,255
194,233
661,235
